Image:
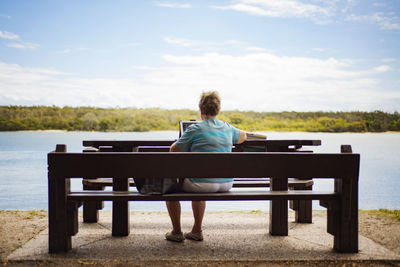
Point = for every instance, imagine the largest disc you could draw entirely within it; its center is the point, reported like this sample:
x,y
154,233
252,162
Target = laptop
x,y
183,125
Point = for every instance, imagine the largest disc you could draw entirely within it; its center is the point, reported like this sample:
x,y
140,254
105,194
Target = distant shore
x,y
262,132
16,118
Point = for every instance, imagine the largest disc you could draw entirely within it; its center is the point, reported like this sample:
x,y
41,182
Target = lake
x,y
23,166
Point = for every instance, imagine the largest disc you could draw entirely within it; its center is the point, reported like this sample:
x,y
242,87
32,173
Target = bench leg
x,y
91,208
120,210
60,221
278,209
346,218
302,208
72,211
91,211
332,215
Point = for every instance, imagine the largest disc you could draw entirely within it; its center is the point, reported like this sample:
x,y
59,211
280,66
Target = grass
x,y
393,214
35,213
28,214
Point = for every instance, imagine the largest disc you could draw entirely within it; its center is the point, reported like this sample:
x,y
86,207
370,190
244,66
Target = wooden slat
x,y
232,195
135,143
170,165
239,182
127,143
153,149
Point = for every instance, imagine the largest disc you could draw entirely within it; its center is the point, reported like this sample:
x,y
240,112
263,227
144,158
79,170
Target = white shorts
x,y
189,186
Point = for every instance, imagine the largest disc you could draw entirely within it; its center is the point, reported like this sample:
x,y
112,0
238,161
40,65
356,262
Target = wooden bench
x,y
302,208
342,201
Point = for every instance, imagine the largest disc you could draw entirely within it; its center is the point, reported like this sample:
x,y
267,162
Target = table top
x,y
135,143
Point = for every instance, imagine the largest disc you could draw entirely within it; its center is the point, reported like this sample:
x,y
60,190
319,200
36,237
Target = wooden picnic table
x,y
342,202
302,208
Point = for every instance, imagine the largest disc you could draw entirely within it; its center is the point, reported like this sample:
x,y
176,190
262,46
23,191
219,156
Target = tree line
x,y
17,118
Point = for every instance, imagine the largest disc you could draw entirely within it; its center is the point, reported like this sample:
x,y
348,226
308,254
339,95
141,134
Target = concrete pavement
x,y
228,236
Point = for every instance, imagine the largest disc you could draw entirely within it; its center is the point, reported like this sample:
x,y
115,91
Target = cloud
x,y
318,49
172,5
65,51
33,86
388,60
383,68
23,45
8,35
70,50
283,9
255,49
383,20
182,42
19,44
260,81
143,68
197,45
5,16
318,11
131,44
378,4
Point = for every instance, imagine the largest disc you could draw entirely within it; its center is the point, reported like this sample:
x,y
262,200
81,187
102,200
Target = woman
x,y
209,135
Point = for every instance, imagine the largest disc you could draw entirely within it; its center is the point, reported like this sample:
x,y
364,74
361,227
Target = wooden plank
x,y
153,149
127,143
169,165
93,184
231,195
106,149
135,143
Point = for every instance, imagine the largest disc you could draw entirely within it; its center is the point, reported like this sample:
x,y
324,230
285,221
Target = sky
x,y
261,55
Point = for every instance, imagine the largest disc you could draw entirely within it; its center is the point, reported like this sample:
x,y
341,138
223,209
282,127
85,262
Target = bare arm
x,y
242,137
174,148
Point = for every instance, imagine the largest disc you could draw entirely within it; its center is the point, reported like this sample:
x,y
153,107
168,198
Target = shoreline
x,y
150,119
268,131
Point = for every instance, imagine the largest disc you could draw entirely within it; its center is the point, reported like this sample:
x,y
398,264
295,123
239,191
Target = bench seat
x,y
231,195
238,182
302,208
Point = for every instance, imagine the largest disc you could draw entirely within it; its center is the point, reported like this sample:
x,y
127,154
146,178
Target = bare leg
x,y
174,210
198,208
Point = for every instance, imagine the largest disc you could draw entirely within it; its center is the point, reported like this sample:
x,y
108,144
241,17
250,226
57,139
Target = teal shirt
x,y
210,135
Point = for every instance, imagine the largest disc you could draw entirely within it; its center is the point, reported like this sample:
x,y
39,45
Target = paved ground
x,y
229,236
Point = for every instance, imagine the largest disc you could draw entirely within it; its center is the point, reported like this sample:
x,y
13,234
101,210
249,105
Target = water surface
x,y
23,166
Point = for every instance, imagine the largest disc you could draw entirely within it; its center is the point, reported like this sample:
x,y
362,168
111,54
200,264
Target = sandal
x,y
194,236
171,236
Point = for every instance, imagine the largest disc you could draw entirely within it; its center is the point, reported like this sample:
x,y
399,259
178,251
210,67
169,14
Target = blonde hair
x,y
210,103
